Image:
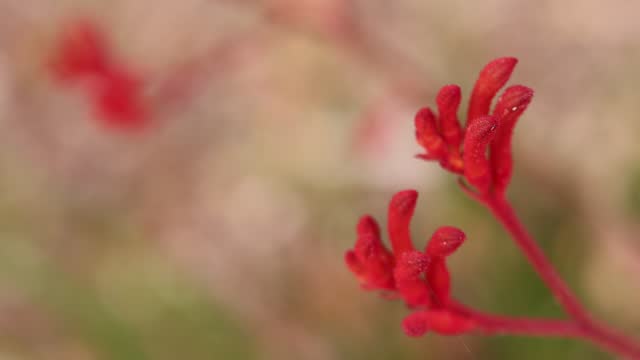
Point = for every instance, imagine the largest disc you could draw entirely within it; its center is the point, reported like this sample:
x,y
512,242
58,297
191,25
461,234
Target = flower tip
x,y
415,324
367,225
422,116
448,101
427,133
445,241
425,123
501,68
449,96
476,165
506,61
514,98
496,73
404,202
491,79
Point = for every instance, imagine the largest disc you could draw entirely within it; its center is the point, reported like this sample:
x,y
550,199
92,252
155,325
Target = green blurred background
x,y
219,232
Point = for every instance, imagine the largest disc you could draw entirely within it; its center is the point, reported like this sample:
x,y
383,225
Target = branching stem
x,y
580,325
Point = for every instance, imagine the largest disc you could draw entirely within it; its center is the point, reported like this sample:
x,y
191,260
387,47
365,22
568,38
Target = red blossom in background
x,y
481,154
82,55
81,51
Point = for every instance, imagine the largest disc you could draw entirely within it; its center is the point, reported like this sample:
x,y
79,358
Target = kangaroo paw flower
x,y
421,279
510,106
464,152
491,79
476,165
428,136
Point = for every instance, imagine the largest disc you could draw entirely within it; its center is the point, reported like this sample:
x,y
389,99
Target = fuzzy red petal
x,y
370,260
448,101
491,79
444,241
408,274
401,210
416,324
476,164
510,106
427,134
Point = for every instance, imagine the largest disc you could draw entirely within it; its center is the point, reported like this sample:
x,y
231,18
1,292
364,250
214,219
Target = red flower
x,y
441,136
370,261
420,278
118,100
81,51
115,92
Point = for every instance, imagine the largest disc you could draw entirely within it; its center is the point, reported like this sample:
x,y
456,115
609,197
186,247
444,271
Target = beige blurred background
x,y
219,232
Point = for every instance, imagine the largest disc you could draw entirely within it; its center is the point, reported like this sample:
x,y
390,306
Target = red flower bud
x,y
370,260
491,79
510,106
410,267
428,136
416,324
444,241
448,101
476,140
401,210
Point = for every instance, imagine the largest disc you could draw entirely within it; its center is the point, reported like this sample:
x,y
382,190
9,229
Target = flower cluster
x,y
442,136
83,55
481,153
420,278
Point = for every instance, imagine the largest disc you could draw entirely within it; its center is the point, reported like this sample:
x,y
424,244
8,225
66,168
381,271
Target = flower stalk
x,y
481,155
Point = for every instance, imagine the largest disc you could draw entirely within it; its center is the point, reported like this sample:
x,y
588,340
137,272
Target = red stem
x,y
583,325
503,211
496,325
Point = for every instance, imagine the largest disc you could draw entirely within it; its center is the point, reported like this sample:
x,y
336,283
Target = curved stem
x,y
503,211
496,325
606,339
583,325
491,324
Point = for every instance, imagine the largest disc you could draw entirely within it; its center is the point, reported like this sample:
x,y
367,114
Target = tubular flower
x,y
481,155
485,131
420,278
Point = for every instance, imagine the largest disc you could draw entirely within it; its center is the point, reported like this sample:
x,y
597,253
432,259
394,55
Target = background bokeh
x,y
219,232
